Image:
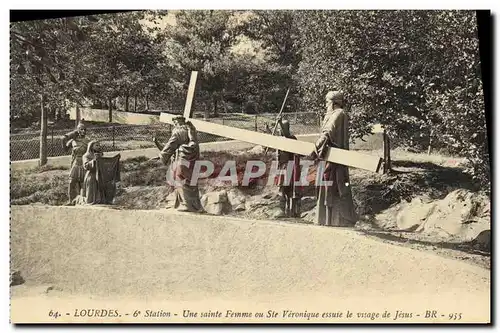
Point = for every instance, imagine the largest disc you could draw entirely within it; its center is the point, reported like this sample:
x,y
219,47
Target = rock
x,y
236,200
363,223
460,217
170,200
256,150
216,203
457,216
307,203
256,202
413,214
407,216
309,216
278,213
16,278
271,196
483,241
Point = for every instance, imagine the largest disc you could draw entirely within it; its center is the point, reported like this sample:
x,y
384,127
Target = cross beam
x,y
189,98
340,156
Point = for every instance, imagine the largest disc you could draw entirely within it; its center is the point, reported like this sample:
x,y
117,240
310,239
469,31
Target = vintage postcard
x,y
250,166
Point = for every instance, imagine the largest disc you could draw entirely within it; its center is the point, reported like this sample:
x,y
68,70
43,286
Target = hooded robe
x,y
335,206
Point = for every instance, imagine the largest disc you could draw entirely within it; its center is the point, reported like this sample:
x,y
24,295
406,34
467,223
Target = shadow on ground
x,y
471,247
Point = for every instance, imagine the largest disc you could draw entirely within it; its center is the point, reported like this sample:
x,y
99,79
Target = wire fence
x,y
117,137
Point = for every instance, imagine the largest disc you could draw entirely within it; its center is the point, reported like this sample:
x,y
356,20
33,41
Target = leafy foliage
x,y
415,72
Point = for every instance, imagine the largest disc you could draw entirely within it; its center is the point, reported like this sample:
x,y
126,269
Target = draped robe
x,y
90,191
78,146
335,206
186,152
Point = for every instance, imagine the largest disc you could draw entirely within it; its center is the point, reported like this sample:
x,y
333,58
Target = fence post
x,y
387,152
256,123
113,130
43,132
389,163
52,140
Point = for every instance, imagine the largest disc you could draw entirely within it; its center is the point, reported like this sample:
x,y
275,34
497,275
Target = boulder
x,y
236,200
216,203
256,150
405,216
307,203
412,215
309,216
170,200
483,241
461,215
16,278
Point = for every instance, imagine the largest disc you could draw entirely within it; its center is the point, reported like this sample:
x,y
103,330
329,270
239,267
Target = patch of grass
x,y
47,187
150,197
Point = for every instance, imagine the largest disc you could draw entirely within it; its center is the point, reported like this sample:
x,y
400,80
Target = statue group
x,y
93,179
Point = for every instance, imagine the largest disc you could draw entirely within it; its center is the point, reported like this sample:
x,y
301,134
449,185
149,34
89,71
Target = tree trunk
x,y
135,103
78,116
389,162
59,114
387,153
215,108
429,148
206,105
147,102
51,113
261,102
43,132
126,103
110,110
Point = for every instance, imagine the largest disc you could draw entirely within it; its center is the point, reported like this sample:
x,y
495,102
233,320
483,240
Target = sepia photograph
x,y
250,166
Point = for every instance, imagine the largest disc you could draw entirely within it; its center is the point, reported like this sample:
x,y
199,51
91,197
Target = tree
x,y
201,41
415,72
277,33
42,53
127,60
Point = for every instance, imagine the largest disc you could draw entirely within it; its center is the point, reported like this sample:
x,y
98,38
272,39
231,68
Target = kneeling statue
x,y
101,177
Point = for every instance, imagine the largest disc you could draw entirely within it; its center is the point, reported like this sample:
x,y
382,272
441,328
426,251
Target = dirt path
x,y
155,257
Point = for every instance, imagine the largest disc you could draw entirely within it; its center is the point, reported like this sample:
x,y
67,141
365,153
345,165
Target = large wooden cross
x,y
345,157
